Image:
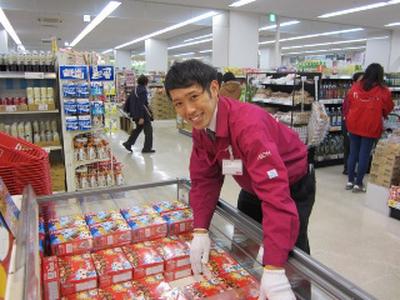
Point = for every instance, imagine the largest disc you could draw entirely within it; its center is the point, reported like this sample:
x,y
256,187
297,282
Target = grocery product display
x,y
27,61
160,105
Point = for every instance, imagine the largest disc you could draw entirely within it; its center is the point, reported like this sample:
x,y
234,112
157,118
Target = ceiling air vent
x,y
50,22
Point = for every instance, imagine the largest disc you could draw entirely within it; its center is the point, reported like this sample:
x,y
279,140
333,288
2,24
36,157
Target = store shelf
x,y
27,75
331,101
30,112
280,85
394,88
335,128
75,132
52,148
339,77
88,162
276,101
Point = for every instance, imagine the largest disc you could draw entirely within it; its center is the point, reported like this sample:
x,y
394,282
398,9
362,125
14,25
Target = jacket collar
x,y
222,117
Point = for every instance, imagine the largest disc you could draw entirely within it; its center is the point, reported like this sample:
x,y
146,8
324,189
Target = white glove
x,y
275,286
199,251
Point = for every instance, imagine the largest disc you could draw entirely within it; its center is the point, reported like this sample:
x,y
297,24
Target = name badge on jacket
x,y
232,166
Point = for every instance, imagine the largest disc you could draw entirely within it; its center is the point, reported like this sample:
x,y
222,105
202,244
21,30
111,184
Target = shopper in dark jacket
x,y
345,109
369,101
230,87
138,108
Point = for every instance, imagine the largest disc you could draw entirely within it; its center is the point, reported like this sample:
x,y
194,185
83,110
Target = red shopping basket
x,y
23,163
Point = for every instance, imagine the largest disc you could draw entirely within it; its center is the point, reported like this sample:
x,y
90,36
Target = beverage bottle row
x,y
27,62
334,90
332,144
393,79
335,116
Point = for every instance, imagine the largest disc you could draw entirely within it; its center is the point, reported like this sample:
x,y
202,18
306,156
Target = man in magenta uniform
x,y
266,158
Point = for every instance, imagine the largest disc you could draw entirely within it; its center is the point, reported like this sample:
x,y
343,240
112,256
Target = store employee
x,y
266,158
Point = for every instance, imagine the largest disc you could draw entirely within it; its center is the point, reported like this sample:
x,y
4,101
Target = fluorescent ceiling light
x,y
10,30
184,54
106,11
206,51
324,50
189,44
324,44
198,37
308,36
284,24
107,51
241,3
170,28
393,24
359,8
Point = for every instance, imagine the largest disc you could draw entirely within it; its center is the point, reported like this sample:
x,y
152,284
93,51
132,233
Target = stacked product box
x,y
70,241
179,221
147,227
163,207
155,287
50,278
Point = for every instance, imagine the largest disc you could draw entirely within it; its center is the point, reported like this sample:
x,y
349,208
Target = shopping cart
x,y
22,163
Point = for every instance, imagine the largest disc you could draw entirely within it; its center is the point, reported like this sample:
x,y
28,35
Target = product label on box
x,y
70,106
122,277
84,122
69,72
101,73
43,107
154,270
11,108
69,90
88,285
71,123
82,90
34,75
182,262
83,106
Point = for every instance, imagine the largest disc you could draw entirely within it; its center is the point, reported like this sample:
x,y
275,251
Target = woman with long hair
x,y
369,101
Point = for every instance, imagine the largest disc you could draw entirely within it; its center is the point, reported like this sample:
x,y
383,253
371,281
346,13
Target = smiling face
x,y
195,104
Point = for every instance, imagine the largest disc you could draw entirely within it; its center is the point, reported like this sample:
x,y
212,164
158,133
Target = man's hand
x,y
275,286
141,121
199,250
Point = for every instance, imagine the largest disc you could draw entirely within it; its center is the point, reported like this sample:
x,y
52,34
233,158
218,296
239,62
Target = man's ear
x,y
214,88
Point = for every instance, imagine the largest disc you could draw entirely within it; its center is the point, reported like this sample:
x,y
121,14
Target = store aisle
x,y
353,240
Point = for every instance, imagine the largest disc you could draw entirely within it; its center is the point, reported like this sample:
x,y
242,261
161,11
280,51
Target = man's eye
x,y
194,97
178,104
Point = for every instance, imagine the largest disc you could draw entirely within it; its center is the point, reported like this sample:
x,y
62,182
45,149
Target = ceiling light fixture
x,y
324,44
241,3
393,24
308,36
206,51
189,44
324,50
359,8
184,54
106,11
198,37
107,51
10,30
284,24
170,28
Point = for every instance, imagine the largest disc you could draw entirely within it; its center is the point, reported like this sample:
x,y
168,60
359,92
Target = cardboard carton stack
x,y
161,106
385,168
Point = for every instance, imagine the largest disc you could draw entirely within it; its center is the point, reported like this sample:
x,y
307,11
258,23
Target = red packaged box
x,y
221,262
179,221
103,216
174,294
175,253
147,227
77,274
136,211
51,278
66,222
145,259
110,234
112,266
154,286
163,207
123,291
206,288
71,241
245,285
91,294
178,274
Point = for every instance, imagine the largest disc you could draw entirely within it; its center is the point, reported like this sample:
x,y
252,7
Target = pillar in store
x,y
156,55
394,60
267,55
277,53
220,44
378,51
123,59
3,41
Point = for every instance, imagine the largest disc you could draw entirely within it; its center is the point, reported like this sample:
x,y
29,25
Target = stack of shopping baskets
x,y
22,163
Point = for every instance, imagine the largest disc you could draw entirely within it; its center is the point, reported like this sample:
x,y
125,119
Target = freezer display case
x,y
236,241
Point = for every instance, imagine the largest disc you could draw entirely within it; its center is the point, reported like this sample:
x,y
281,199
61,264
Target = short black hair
x,y
219,78
188,73
142,80
228,76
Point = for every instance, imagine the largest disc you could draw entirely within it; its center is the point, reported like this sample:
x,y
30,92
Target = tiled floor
x,y
359,243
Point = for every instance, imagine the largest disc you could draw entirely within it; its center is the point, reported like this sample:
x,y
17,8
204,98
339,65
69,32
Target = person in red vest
x,y
369,101
265,157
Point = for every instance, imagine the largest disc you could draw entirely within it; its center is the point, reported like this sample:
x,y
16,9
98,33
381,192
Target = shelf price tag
x,y
11,108
34,75
43,107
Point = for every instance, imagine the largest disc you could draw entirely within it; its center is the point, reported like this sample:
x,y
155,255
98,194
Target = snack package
x,y
71,123
145,259
112,266
154,286
163,207
70,106
69,90
178,274
66,222
174,252
71,241
245,285
103,216
147,227
42,231
123,291
179,221
110,234
84,122
82,106
221,262
136,211
206,288
51,278
174,294
77,274
82,90
91,294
